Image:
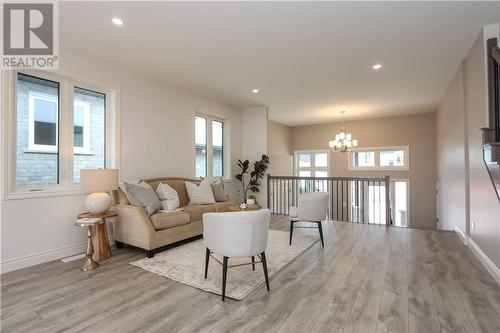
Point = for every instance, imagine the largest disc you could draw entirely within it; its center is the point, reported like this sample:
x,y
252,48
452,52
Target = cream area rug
x,y
186,264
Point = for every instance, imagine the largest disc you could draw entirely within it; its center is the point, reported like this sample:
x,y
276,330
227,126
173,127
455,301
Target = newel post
x,y
387,201
268,192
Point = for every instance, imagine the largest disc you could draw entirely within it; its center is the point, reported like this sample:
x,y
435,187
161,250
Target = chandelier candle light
x,y
343,141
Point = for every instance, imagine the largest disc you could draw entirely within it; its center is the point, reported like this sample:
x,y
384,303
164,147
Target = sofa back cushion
x,y
176,183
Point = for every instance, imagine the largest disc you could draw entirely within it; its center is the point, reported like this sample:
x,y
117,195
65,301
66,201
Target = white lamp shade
x,y
337,137
348,136
342,135
331,144
99,180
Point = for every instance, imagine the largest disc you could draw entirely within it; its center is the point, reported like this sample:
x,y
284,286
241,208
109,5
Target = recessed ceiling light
x,y
117,21
255,91
377,66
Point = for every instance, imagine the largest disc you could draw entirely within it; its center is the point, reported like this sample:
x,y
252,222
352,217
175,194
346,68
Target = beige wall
x,y
279,138
461,169
484,205
451,164
416,131
279,148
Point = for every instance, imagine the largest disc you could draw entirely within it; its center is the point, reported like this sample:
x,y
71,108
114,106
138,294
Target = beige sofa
x,y
134,227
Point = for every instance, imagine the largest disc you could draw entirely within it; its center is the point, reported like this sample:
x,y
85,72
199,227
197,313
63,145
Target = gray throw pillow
x,y
143,195
218,189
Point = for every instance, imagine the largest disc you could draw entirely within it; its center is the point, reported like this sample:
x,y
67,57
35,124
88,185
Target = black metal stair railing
x,y
352,199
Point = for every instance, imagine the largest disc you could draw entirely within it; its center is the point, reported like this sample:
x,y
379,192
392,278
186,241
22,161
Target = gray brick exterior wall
x,y
35,168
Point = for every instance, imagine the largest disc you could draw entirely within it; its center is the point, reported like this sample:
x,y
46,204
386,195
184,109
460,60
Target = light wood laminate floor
x,y
367,279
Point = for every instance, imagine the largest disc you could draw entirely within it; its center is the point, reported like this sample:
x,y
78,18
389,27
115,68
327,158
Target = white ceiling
x,y
309,60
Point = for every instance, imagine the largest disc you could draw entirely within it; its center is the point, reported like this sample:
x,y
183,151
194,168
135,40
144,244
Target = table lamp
x,y
100,182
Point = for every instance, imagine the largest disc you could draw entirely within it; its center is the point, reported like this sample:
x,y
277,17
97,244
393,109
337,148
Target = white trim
x,y
487,263
483,258
42,257
461,234
377,150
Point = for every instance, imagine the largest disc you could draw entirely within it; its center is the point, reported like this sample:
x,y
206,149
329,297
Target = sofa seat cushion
x,y
223,206
162,220
196,211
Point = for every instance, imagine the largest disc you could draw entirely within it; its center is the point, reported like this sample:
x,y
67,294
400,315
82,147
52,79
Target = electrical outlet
x,y
473,225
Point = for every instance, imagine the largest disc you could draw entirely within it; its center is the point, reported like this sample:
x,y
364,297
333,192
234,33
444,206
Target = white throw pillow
x,y
168,197
200,194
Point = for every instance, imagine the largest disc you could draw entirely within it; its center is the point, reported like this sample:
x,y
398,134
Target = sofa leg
x,y
150,253
119,245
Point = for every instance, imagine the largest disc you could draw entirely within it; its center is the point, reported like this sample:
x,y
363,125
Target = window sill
x,y
42,194
84,153
378,169
40,151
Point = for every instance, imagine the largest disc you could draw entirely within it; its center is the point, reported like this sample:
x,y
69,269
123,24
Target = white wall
x,y
254,144
461,169
157,139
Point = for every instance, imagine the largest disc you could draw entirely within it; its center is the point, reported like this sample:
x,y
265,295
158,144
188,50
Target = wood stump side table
x,y
100,240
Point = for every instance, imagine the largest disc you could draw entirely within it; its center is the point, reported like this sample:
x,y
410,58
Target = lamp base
x,y
98,203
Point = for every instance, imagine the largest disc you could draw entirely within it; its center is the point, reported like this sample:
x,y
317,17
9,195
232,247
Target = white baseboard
x,y
461,234
490,266
487,263
42,257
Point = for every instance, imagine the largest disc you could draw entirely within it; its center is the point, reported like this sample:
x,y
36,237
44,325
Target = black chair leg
x,y
253,263
291,232
150,253
224,275
264,265
320,228
207,259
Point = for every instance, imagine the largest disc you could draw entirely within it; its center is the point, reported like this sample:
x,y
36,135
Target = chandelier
x,y
343,141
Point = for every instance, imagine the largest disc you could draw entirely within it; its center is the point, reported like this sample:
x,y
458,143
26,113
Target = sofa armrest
x,y
133,225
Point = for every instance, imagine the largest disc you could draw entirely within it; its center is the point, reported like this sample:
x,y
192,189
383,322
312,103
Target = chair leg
x,y
207,259
150,253
320,228
291,232
253,263
264,265
224,276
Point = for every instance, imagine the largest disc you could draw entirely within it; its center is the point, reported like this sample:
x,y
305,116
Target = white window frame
x,y
32,146
377,166
313,168
86,128
66,185
225,146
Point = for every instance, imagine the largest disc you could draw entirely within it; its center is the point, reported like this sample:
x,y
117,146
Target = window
x,y
89,130
312,163
200,142
37,130
58,128
210,152
363,159
217,151
390,158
